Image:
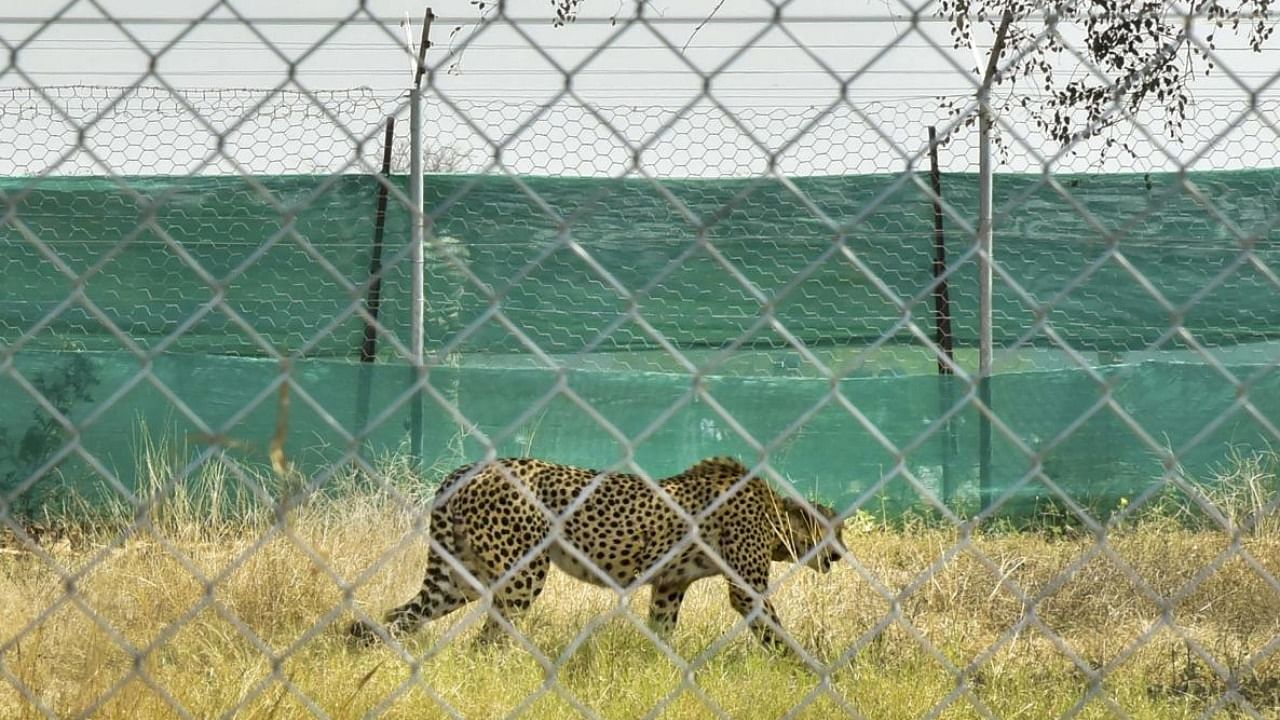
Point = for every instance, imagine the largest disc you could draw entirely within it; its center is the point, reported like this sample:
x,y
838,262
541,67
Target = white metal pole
x,y
417,224
417,231
985,182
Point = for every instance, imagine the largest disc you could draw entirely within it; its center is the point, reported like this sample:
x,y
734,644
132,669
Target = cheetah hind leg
x,y
440,595
514,598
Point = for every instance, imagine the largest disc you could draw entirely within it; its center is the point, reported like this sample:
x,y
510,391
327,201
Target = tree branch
x,y
701,25
997,49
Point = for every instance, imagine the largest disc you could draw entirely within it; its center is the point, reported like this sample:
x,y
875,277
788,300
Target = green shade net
x,y
565,318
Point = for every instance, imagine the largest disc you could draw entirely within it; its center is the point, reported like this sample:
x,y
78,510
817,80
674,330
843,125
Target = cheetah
x,y
495,520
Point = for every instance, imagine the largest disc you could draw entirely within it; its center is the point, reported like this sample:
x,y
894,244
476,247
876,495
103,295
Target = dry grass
x,y
229,615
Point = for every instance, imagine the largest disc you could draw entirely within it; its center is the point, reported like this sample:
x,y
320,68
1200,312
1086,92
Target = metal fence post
x,y
417,236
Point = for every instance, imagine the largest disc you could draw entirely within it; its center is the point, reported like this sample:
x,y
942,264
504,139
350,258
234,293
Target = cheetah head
x,y
804,528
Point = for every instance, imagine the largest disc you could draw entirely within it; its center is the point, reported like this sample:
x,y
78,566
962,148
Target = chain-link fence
x,y
286,131
224,469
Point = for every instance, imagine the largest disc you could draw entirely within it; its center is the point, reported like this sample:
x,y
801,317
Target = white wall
x,y
774,90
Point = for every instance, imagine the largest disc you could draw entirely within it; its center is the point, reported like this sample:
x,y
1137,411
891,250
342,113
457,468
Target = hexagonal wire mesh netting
x,y
220,447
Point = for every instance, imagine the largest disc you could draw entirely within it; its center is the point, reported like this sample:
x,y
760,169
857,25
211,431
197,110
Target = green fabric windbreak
x,y
623,286
853,442
257,266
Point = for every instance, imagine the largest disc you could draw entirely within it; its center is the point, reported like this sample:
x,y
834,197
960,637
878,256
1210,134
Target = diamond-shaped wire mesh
x,y
228,487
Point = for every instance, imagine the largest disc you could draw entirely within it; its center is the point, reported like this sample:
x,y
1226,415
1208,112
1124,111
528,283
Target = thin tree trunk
x,y
941,297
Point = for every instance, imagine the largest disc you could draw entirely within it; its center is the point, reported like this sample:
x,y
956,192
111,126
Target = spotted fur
x,y
496,521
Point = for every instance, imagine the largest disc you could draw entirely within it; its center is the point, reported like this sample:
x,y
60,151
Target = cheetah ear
x,y
792,508
825,511
802,509
718,464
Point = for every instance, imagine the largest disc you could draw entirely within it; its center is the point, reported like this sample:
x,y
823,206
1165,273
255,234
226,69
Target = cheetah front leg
x,y
751,562
751,603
